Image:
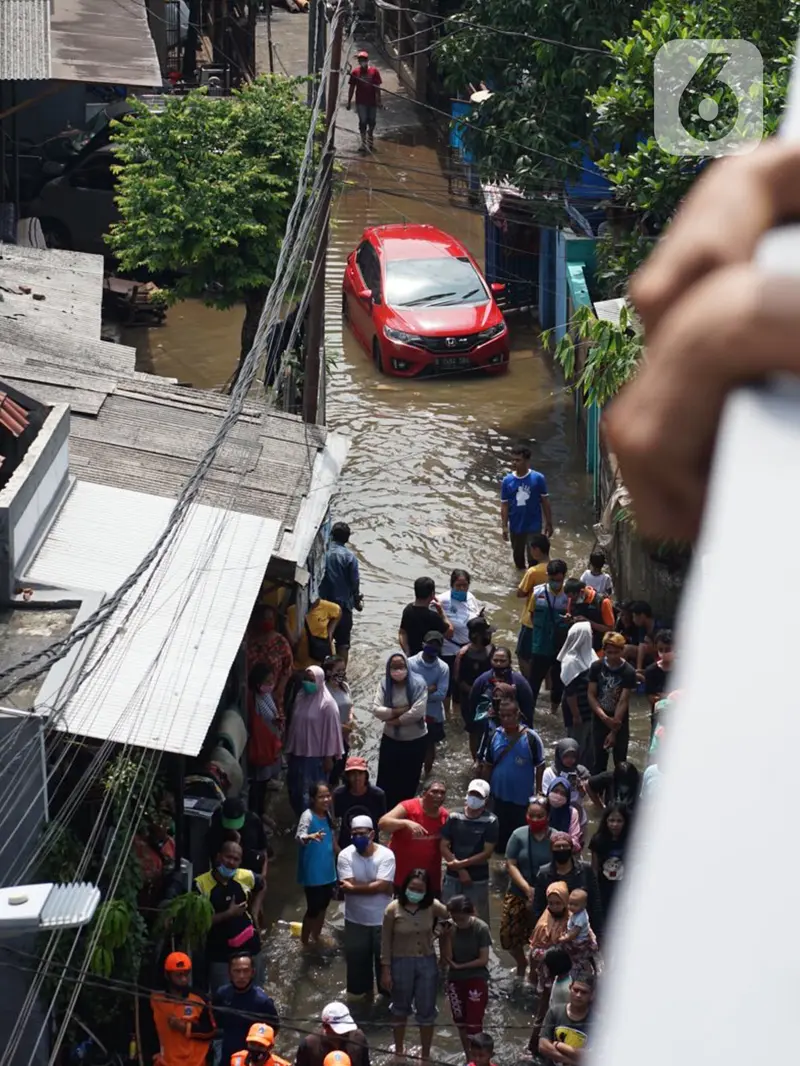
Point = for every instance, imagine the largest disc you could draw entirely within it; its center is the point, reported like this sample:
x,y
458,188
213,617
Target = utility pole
x,y
315,330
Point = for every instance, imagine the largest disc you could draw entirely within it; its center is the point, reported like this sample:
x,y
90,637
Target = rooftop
x,y
77,40
25,631
142,432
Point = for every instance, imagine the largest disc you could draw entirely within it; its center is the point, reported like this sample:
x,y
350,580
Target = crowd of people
x,y
413,874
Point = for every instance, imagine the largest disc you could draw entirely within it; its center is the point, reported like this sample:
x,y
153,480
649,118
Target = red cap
x,y
362,55
177,962
355,762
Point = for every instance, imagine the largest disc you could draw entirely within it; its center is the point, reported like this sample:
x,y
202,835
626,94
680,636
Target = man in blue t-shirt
x,y
523,502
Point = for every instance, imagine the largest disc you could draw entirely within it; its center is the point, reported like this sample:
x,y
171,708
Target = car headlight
x,y
492,331
401,335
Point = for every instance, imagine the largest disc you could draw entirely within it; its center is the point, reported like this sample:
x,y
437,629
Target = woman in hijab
x,y
562,816
400,704
547,934
566,765
576,656
314,741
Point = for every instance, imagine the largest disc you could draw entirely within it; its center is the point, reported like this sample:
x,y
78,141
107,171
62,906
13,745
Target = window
x,y
370,269
440,282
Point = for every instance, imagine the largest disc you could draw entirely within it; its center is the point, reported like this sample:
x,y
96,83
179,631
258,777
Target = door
x,y
367,276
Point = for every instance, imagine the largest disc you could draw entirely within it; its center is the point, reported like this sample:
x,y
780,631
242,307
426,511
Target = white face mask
x,y
475,803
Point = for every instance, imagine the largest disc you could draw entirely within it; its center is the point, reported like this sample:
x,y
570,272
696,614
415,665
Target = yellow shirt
x,y
535,575
318,619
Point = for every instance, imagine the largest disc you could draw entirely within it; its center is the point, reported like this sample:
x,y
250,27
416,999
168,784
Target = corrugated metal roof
x,y
105,41
160,683
24,39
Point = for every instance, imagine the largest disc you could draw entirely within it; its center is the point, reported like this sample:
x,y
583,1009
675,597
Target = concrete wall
x,y
637,575
31,494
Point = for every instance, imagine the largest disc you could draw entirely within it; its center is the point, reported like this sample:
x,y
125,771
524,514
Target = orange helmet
x,y
261,1034
177,962
336,1058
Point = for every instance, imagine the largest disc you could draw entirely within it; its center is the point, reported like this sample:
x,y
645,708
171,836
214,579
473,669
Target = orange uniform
x,y
185,1042
240,1059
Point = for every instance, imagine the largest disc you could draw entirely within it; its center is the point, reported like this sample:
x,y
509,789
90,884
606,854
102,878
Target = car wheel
x,y
56,234
377,358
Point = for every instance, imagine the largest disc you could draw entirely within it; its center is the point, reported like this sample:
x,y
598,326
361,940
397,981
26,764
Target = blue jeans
x,y
304,771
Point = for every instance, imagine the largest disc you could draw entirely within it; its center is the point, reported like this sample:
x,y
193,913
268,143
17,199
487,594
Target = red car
x,y
418,302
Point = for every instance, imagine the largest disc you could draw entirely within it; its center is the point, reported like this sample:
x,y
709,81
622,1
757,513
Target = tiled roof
x,y
12,417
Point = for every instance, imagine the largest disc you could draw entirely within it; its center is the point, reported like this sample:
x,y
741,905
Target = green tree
x,y
534,128
205,188
648,181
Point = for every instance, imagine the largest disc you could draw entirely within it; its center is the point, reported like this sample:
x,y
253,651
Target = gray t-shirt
x,y
558,1026
469,836
467,944
529,854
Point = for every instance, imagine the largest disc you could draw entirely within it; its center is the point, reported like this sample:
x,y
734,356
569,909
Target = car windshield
x,y
440,282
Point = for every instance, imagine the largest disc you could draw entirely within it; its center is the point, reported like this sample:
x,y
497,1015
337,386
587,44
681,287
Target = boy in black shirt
x,y
422,616
611,681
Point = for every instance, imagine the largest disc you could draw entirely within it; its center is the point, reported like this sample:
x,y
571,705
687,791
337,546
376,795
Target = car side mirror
x,y
497,287
366,295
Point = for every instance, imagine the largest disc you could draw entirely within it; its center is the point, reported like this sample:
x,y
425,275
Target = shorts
x,y
414,984
516,922
468,999
317,899
435,730
344,629
525,642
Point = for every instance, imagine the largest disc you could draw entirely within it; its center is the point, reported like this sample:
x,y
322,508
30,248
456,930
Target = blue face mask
x,y
310,687
430,651
361,844
226,871
414,897
459,595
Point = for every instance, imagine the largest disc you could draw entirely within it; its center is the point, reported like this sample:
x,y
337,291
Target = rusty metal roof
x,y
104,41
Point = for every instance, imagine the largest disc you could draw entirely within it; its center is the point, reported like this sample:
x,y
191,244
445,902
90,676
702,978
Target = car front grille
x,y
449,345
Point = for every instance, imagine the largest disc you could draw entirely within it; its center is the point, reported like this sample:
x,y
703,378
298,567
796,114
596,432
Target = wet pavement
x,y
420,491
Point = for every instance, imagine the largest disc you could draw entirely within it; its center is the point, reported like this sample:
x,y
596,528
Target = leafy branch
x,y
612,354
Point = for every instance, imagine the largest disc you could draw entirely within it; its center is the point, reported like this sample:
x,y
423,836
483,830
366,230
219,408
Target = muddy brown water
x,y
420,491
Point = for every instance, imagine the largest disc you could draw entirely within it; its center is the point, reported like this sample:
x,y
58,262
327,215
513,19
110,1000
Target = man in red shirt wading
x,y
365,83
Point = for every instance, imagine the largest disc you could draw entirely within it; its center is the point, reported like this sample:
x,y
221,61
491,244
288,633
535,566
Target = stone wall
x,y
637,574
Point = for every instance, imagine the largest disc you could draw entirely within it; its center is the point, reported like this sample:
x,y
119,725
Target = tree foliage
x,y
612,354
538,121
205,187
647,180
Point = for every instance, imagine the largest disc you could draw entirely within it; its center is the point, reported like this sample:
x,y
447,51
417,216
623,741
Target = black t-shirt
x,y
559,1027
611,683
416,622
578,687
346,806
656,680
253,838
610,866
603,786
218,946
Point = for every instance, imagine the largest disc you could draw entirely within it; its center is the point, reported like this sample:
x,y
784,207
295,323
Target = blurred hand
x,y
712,323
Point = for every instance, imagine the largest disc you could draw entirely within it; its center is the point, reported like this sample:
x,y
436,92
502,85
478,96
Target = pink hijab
x,y
315,730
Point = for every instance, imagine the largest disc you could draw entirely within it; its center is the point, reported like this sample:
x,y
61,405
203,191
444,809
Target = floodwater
x,y
420,491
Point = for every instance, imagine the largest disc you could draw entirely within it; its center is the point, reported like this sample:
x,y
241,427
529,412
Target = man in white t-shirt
x,y
366,872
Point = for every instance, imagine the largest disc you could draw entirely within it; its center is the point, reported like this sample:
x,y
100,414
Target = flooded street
x,y
421,493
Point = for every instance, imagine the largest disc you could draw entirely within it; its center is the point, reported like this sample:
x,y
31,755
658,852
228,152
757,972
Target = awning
x,y
158,685
105,41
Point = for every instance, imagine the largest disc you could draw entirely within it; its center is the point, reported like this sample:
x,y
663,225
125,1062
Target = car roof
x,y
400,241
